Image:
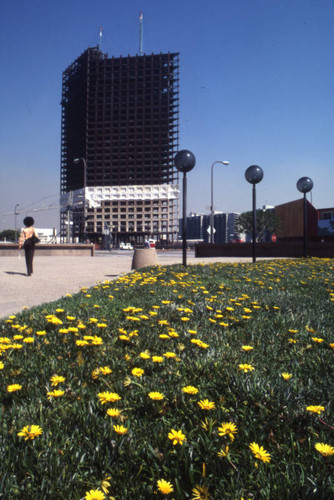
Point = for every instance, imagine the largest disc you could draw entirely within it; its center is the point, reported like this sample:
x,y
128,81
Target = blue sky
x,y
256,87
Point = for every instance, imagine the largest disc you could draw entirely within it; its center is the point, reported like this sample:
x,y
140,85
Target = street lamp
x,y
212,211
304,185
254,175
76,162
16,213
184,161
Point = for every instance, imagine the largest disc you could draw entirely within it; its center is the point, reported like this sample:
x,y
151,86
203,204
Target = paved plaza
x,y
54,276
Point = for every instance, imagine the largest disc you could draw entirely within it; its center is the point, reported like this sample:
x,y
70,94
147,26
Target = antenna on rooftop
x,y
141,17
100,41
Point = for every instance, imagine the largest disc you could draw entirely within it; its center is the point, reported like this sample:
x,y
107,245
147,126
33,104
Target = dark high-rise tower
x,y
120,117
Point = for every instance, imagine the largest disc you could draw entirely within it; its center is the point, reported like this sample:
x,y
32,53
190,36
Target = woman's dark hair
x,y
28,221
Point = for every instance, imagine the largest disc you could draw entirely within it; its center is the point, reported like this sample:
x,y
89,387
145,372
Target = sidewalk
x,y
54,277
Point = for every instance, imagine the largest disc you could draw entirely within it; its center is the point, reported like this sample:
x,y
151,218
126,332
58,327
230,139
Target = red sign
x,y
274,238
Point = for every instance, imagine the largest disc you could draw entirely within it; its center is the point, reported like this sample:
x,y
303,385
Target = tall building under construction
x,y
119,136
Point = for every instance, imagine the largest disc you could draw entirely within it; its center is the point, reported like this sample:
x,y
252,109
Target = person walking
x,y
28,240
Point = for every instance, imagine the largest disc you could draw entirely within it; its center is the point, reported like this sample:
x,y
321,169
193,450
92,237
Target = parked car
x,y
125,246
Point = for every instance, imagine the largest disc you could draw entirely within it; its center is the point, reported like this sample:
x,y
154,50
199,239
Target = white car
x,y
125,246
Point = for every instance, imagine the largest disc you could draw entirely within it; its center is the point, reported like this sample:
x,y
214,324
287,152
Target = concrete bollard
x,y
144,257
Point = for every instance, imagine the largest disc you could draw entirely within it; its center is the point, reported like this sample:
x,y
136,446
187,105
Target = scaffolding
x,y
122,116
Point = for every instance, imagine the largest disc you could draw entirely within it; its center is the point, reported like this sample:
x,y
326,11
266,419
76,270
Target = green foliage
x,y
267,223
9,235
183,327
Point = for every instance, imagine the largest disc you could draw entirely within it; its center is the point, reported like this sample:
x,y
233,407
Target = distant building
x,y
326,221
199,227
291,217
120,115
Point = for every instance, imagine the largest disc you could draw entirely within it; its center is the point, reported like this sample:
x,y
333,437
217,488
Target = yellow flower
x,y
315,409
120,429
200,493
246,368
108,397
57,379
14,387
286,375
95,495
114,412
2,366
55,394
177,437
170,355
223,452
105,370
41,332
260,453
205,404
34,431
247,347
145,355
156,396
165,487
228,429
157,359
137,372
28,340
325,449
189,389
316,339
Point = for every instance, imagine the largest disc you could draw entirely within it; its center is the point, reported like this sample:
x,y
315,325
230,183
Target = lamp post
x,y
76,162
212,211
184,161
254,175
16,213
304,185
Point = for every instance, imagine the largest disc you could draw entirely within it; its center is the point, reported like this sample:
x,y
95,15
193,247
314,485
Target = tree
x,y
267,223
9,235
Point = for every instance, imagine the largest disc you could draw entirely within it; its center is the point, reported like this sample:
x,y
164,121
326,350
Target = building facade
x,y
120,122
199,227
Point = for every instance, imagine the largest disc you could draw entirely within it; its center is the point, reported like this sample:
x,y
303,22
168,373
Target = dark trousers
x,y
29,253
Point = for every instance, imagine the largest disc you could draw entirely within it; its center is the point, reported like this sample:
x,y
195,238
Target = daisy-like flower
x,y
246,368
315,409
165,487
55,394
145,355
108,397
325,449
200,493
317,340
105,370
260,453
41,333
286,375
120,429
170,354
28,340
189,389
223,452
114,412
14,387
34,431
95,495
177,437
137,372
157,359
205,404
228,429
247,348
57,379
156,396
2,366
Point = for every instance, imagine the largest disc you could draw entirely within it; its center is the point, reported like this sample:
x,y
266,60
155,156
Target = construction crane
x,y
141,17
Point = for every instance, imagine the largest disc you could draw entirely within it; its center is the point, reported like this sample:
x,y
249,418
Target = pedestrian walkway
x,y
54,277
